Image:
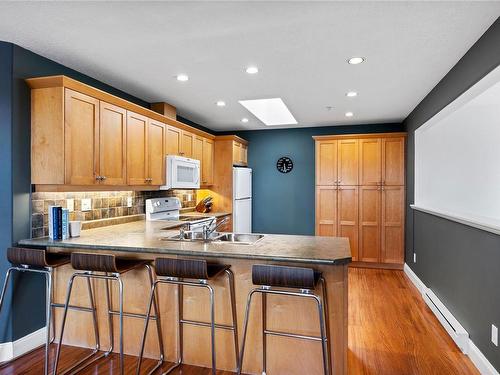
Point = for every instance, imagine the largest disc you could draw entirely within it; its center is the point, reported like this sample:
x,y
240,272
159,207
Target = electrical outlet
x,y
414,257
129,201
70,204
86,204
494,334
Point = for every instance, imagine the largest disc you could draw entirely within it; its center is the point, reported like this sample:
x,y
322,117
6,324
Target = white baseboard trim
x,y
482,364
476,356
14,349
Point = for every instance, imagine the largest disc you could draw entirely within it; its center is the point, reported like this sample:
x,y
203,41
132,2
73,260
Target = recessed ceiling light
x,y
182,77
351,94
244,120
349,114
221,103
252,70
356,60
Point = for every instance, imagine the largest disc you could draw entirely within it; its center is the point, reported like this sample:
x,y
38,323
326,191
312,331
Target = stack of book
x,y
58,223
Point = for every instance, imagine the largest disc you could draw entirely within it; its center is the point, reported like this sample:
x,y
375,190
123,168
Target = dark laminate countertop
x,y
146,237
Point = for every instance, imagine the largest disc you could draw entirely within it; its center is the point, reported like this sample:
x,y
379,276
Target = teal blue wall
x,y
284,203
5,178
26,312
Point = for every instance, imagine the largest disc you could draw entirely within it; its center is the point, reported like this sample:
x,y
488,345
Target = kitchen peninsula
x,y
148,240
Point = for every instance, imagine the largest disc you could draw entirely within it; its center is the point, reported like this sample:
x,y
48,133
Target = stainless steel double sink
x,y
217,237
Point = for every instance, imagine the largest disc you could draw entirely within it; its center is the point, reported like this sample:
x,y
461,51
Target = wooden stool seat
x,y
285,277
35,257
104,263
188,268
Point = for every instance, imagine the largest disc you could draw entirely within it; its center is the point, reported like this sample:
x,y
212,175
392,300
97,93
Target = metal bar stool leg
x,y
180,332
264,335
146,324
212,327
110,319
120,308
48,297
63,323
234,316
5,283
245,329
323,334
327,323
158,322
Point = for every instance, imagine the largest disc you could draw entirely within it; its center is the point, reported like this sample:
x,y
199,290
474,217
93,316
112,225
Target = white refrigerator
x,y
242,200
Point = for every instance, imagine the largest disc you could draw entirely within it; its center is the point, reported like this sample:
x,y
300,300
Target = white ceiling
x,y
301,50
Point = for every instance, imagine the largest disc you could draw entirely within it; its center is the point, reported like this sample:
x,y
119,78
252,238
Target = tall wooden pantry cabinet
x,y
360,193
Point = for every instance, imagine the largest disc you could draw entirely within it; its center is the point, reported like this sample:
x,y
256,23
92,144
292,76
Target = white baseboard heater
x,y
448,321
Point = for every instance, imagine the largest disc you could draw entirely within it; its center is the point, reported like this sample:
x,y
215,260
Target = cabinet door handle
x,y
98,178
103,178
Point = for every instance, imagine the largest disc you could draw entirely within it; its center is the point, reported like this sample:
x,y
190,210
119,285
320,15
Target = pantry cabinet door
x,y
392,241
347,211
137,138
393,161
326,163
81,138
156,152
326,211
370,161
347,156
369,223
112,144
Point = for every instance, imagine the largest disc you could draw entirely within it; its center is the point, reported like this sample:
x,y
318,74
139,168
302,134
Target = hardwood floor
x,y
391,332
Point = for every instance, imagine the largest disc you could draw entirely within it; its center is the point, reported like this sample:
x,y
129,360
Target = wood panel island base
x,y
140,240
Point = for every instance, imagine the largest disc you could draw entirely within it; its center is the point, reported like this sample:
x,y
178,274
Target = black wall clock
x,y
284,164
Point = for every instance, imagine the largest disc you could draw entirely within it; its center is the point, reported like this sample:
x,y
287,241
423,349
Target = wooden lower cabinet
x,y
326,210
392,239
369,223
347,211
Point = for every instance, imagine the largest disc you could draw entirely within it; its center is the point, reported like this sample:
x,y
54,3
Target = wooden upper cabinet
x,y
173,140
198,148
137,138
392,238
207,170
236,152
347,156
244,154
369,223
81,138
326,163
156,152
347,212
393,160
112,144
370,161
326,210
187,140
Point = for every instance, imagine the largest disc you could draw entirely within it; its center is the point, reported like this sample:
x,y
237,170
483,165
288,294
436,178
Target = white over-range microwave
x,y
181,173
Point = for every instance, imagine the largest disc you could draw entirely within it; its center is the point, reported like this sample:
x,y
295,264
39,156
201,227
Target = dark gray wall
x,y
458,262
284,203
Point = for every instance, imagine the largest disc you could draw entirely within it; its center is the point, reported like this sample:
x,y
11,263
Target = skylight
x,y
270,111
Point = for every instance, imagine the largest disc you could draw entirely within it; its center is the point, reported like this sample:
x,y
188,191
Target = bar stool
x,y
299,282
175,271
39,261
113,268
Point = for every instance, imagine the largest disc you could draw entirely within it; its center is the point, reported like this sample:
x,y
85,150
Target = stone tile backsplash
x,y
104,205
